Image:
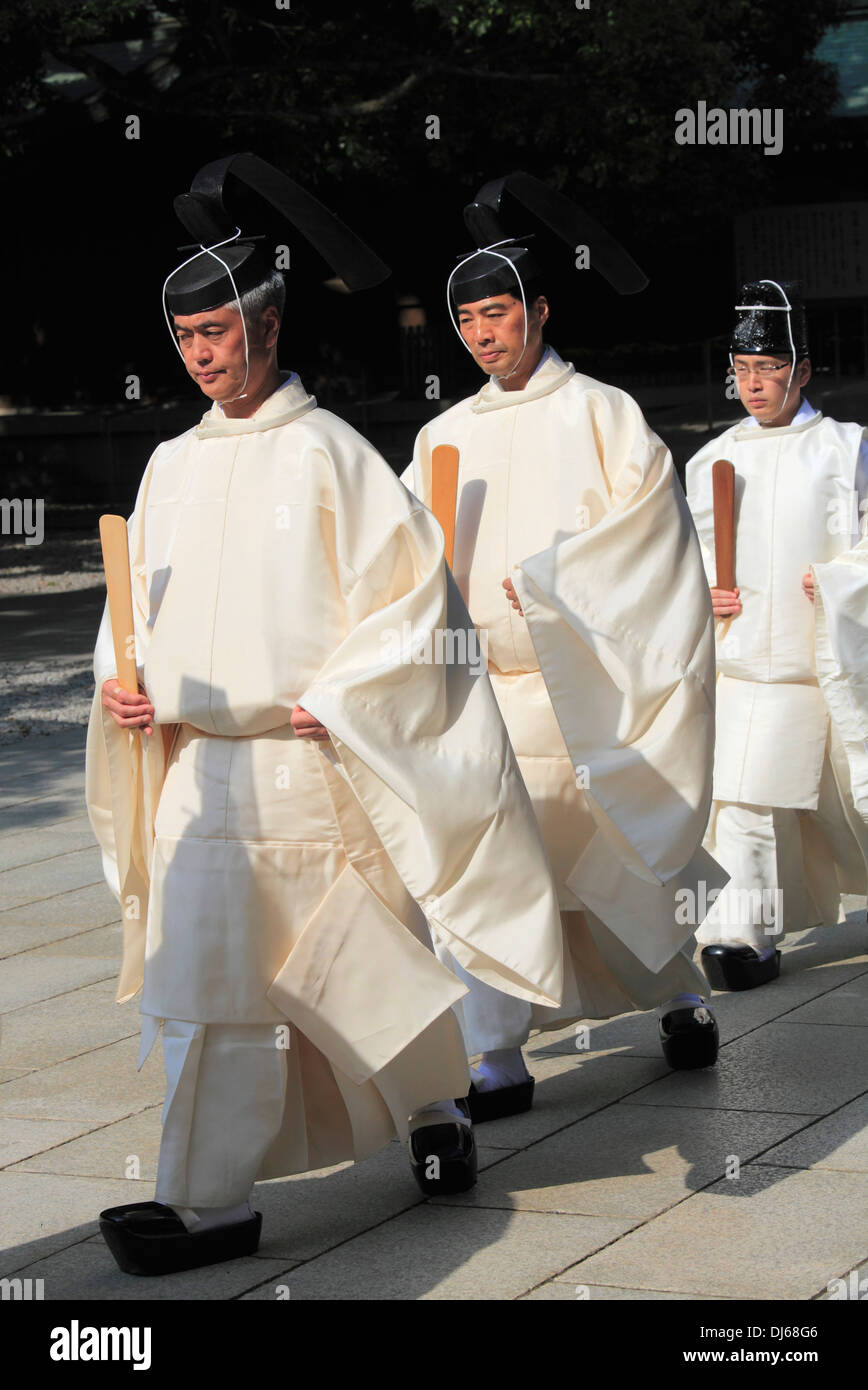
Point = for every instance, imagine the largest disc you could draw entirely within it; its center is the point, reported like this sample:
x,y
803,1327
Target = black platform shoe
x,y
505,1100
738,967
148,1238
443,1157
689,1038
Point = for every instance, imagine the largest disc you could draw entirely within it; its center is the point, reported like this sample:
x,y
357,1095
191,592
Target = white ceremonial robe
x,y
272,884
606,683
791,757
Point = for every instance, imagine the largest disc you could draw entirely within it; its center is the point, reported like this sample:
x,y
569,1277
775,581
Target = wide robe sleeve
x,y
124,774
416,729
841,648
621,621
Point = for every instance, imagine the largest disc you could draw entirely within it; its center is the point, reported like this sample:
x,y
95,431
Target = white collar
x,y
549,374
288,402
288,379
804,413
495,381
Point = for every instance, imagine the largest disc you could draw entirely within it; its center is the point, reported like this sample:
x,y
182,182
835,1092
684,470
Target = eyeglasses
x,y
761,368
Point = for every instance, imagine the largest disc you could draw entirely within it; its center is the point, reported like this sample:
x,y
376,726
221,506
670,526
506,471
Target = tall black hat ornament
x,y
224,196
483,274
229,202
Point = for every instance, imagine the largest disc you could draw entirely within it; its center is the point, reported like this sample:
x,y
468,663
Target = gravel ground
x,y
45,694
66,560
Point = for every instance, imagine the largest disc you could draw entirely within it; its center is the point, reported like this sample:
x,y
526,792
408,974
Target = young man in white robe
x,y
788,821
293,788
576,555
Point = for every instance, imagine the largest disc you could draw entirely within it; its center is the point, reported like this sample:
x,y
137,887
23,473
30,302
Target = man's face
x,y
212,345
493,329
762,380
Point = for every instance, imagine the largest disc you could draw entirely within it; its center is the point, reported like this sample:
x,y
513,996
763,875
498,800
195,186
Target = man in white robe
x,y
576,554
292,793
791,758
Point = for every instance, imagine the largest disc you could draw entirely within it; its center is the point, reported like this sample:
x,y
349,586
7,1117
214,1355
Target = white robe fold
x,y
841,650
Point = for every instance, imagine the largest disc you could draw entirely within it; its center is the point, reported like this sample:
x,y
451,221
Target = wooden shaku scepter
x,y
116,562
444,492
723,484
723,487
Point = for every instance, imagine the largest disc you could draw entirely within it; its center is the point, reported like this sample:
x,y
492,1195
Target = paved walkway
x,y
625,1181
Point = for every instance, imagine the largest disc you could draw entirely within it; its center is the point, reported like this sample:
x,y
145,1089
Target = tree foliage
x,y
589,92
342,96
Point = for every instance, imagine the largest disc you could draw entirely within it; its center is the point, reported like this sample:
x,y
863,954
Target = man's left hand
x,y
306,726
808,585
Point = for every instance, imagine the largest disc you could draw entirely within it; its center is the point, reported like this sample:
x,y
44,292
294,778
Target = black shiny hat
x,y
204,283
496,272
232,206
771,319
486,273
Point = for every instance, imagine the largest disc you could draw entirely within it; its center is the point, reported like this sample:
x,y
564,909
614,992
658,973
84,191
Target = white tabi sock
x,y
683,1001
505,1067
437,1113
206,1218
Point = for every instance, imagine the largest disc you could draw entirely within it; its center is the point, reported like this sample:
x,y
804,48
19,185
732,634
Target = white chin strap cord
x,y
453,316
785,308
210,251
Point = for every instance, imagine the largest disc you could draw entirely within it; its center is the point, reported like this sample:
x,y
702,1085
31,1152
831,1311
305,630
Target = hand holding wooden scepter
x,y
129,708
724,595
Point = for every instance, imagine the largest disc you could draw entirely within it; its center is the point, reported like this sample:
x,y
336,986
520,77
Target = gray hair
x,y
271,291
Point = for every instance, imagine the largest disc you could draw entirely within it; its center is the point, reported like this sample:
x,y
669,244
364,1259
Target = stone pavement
x,y
626,1181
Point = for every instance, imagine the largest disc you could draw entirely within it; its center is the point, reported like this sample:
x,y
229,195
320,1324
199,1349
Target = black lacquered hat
x,y
771,319
502,264
233,207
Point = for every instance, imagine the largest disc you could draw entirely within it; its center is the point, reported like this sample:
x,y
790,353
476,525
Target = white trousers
x,y
225,1098
250,1101
612,981
787,867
